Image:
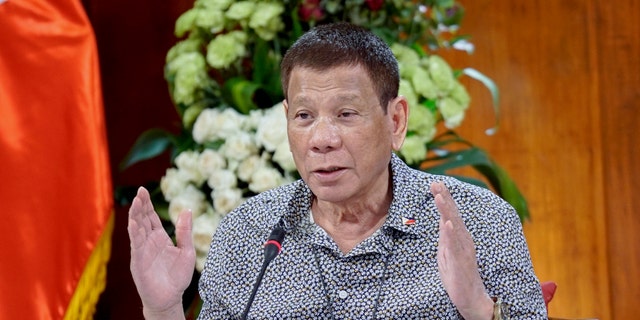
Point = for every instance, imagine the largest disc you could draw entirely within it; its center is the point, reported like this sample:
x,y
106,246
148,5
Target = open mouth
x,y
329,170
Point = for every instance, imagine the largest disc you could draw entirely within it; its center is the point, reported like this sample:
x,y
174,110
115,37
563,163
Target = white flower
x,y
225,200
213,124
210,161
422,121
423,84
185,22
272,130
213,4
265,178
190,198
252,121
452,112
464,45
188,162
248,166
213,20
173,183
240,10
189,75
266,19
408,59
283,157
239,146
224,49
203,228
407,91
222,179
441,73
414,149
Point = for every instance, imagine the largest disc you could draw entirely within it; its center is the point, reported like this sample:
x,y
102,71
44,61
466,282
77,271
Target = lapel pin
x,y
408,221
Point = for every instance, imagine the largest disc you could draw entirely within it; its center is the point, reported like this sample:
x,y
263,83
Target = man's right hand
x,y
160,269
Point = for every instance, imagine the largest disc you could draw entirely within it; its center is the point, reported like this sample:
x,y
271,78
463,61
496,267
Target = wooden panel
x,y
540,53
619,70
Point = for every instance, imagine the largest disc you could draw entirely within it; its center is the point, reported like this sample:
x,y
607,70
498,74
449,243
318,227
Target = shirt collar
x,y
408,212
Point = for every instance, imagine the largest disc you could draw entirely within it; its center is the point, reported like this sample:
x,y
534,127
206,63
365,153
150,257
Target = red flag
x,y
55,187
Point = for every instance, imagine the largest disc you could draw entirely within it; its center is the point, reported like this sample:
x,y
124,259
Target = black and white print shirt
x,y
393,274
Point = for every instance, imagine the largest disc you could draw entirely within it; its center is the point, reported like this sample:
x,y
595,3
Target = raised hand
x,y
457,261
160,269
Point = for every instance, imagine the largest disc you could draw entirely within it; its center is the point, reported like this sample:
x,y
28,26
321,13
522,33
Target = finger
x,y
184,226
142,208
445,203
444,245
136,234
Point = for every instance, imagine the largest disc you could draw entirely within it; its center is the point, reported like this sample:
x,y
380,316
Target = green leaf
x,y
149,144
497,177
240,92
266,71
495,94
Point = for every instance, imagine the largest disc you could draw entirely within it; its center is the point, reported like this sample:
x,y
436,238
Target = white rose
x,y
248,166
201,259
203,228
253,120
222,179
190,198
210,161
204,128
213,124
188,162
229,123
272,130
225,200
239,146
265,178
284,158
173,183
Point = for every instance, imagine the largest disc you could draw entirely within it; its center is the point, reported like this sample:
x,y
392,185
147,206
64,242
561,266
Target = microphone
x,y
272,248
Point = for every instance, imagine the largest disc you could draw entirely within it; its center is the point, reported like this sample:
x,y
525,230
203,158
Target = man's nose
x,y
325,136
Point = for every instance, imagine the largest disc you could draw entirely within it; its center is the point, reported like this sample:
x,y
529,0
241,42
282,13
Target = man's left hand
x,y
457,261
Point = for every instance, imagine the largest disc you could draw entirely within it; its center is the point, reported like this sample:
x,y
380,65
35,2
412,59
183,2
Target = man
x,y
366,236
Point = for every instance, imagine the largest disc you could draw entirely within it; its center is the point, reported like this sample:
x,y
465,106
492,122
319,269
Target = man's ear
x,y
399,114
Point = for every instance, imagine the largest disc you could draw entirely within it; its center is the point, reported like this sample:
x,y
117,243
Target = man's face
x,y
340,137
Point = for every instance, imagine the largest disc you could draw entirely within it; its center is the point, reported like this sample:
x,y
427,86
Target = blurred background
x,y
569,78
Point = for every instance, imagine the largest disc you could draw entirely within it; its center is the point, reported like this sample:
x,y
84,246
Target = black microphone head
x,y
277,235
274,244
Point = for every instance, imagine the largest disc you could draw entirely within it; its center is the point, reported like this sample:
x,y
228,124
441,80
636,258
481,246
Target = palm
x,y
160,270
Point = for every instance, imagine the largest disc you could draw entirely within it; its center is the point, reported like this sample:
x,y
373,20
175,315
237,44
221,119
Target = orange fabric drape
x,y
55,187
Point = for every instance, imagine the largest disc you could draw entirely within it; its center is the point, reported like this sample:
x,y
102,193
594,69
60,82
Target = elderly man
x,y
366,237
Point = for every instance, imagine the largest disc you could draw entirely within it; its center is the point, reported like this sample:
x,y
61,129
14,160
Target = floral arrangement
x,y
223,77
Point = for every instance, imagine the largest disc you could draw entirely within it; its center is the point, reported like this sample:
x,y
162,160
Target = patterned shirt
x,y
393,274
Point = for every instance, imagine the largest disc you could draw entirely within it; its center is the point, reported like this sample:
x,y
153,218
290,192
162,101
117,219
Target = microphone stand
x,y
271,250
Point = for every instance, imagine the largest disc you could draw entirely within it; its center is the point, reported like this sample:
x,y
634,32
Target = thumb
x,y
183,230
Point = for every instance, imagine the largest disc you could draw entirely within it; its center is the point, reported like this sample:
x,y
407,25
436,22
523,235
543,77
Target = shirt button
x,y
342,294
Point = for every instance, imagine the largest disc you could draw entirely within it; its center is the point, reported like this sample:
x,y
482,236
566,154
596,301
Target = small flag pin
x,y
408,221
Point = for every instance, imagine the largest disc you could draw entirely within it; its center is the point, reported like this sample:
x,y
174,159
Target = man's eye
x,y
302,116
346,114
